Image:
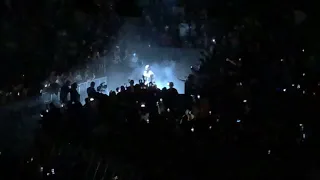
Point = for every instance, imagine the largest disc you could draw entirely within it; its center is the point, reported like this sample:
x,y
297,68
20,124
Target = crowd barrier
x,y
82,89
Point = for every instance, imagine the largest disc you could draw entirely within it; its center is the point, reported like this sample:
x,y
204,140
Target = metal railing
x,y
82,89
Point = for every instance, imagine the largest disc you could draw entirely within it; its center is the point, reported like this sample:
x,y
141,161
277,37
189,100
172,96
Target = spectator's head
x,y
117,89
122,88
171,85
68,83
92,84
131,82
74,86
112,93
191,78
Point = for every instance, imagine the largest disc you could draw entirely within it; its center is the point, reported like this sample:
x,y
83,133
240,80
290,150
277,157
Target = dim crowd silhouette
x,y
249,111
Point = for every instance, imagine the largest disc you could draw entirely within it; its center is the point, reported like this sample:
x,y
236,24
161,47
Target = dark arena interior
x,y
159,90
169,64
134,48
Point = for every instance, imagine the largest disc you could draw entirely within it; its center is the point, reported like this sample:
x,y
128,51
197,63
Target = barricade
x,y
82,87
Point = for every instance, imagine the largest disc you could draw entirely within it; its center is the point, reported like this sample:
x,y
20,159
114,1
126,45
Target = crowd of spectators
x,y
71,49
53,36
237,129
82,38
249,112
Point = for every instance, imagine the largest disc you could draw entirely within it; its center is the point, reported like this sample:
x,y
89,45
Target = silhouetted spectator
x,y
74,95
91,90
65,90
